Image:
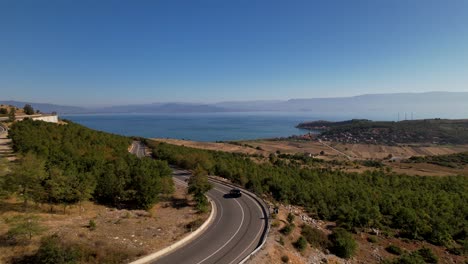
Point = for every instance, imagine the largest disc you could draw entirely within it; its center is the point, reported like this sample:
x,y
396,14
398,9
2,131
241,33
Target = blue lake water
x,y
199,126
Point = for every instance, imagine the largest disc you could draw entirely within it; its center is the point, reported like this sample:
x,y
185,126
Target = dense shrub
x,y
421,256
409,259
281,241
342,243
287,230
290,218
396,250
52,251
372,163
315,237
427,255
300,244
275,223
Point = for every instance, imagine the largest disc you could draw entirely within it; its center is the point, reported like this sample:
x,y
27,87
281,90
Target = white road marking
x,y
237,231
219,207
258,233
180,182
137,152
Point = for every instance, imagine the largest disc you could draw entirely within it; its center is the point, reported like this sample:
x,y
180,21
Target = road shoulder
x,y
156,255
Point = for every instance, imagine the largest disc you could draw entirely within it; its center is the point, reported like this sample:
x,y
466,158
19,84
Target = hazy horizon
x,y
219,102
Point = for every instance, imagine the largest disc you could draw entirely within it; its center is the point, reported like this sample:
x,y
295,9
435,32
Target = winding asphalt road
x,y
2,129
235,232
138,148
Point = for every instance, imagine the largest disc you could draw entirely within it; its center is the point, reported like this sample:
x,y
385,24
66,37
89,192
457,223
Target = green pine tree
x,y
198,187
26,178
24,225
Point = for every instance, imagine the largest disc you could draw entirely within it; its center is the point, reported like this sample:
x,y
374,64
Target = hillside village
x,y
360,131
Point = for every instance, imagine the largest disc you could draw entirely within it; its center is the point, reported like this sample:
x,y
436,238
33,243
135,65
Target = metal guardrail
x,y
266,212
265,232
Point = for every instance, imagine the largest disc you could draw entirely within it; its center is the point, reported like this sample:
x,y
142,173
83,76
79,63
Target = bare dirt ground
x,y
135,232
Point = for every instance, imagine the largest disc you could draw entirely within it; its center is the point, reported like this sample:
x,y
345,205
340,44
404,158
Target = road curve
x,y
138,149
235,232
2,129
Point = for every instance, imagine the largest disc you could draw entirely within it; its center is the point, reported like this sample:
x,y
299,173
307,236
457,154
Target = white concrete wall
x,y
46,118
50,119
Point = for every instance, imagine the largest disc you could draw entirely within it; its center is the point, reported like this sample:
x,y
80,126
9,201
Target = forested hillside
x,y
426,208
65,164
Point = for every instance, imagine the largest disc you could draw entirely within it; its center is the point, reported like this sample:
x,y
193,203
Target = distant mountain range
x,y
423,105
163,108
47,108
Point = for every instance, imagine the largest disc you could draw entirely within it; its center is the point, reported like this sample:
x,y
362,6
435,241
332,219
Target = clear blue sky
x,y
83,52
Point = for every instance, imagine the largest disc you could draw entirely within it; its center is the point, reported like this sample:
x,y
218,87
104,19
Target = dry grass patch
x,y
133,233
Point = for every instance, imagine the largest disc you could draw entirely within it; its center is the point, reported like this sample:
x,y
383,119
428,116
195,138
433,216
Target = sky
x,y
92,53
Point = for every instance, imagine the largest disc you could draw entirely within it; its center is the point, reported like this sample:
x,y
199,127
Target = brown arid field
x,y
130,233
260,147
368,151
426,169
355,152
